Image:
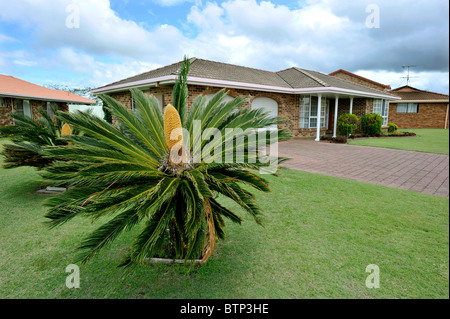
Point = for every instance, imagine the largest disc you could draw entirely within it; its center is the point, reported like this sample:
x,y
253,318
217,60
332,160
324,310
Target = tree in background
x,y
85,92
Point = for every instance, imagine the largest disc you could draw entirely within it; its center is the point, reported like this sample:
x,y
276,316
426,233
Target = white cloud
x,y
425,80
5,38
320,35
78,62
274,34
101,31
97,73
25,62
170,3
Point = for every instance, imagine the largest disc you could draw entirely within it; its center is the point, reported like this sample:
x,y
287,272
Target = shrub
x,y
371,124
392,127
346,124
7,130
400,133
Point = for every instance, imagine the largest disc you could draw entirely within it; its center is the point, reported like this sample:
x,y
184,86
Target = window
x,y
133,106
382,107
2,102
47,106
158,96
308,112
407,108
19,106
160,99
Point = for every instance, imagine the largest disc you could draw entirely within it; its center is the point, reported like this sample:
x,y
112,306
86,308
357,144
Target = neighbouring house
x,y
310,100
419,108
355,78
20,96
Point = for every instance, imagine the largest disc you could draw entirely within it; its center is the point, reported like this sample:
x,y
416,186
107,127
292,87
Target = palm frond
x,y
180,91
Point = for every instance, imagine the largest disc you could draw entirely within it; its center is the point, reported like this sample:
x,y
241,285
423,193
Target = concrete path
x,y
421,172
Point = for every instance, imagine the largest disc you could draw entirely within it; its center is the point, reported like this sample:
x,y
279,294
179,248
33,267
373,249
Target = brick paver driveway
x,y
416,171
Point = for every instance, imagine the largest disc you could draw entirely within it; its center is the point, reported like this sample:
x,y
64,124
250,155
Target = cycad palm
x,y
30,137
126,172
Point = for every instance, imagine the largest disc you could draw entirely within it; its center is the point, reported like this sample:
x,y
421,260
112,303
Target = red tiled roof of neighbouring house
x,y
360,77
14,87
409,93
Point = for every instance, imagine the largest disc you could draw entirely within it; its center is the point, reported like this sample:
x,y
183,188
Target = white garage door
x,y
269,105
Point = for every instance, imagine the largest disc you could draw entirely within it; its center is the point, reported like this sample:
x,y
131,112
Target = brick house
x,y
419,108
310,100
24,97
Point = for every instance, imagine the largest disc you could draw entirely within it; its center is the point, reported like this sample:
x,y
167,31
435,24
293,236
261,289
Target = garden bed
x,y
343,140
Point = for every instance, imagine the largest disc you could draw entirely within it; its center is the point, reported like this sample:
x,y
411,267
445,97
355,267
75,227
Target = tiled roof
x,y
292,78
236,73
14,87
360,77
171,69
408,93
301,78
211,70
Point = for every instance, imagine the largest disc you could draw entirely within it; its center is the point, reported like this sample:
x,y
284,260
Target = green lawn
x,y
427,140
320,234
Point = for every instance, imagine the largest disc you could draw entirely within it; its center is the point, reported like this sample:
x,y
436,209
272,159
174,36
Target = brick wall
x,y
288,104
6,119
361,106
430,115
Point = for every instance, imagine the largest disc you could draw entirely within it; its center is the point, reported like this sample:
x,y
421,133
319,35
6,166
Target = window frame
x,y
382,109
306,109
408,105
21,110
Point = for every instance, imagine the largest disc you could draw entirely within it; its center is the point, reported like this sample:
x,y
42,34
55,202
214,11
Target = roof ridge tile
x,y
305,72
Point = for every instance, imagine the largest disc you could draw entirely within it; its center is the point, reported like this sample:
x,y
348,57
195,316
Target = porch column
x,y
351,105
319,112
336,103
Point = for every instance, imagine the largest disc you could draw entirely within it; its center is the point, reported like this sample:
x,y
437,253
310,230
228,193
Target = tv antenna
x,y
407,77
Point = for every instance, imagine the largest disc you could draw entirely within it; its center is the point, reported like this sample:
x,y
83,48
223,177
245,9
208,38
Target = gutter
x,y
423,101
43,98
170,79
141,83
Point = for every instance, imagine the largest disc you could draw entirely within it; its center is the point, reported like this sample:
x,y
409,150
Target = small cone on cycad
x,y
66,130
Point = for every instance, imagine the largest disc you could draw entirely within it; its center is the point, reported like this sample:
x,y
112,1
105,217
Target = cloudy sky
x,y
83,43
